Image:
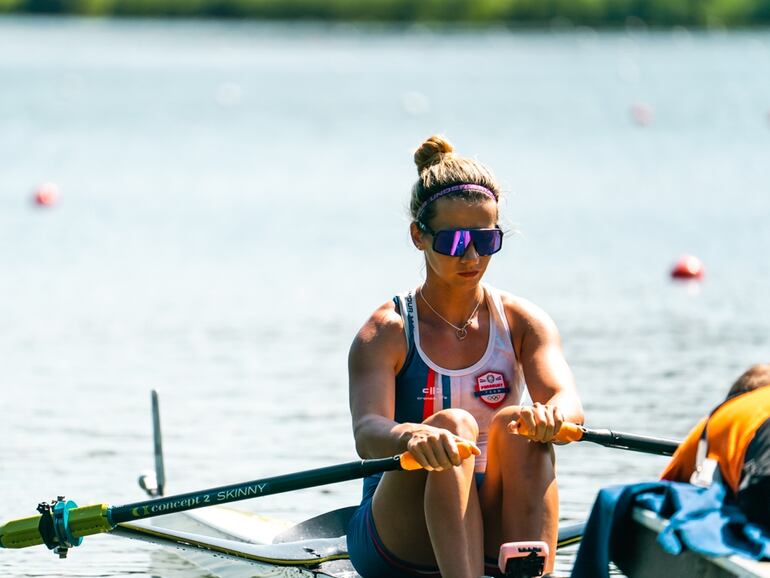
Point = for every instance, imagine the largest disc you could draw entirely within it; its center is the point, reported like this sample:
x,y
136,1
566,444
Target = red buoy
x,y
687,267
641,114
46,194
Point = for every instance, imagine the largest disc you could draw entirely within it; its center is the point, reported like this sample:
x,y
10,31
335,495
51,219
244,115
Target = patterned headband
x,y
454,189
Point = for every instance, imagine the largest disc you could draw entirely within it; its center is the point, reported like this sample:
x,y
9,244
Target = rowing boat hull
x,y
230,543
638,555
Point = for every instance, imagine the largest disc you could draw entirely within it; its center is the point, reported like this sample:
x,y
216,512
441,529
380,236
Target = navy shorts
x,y
368,554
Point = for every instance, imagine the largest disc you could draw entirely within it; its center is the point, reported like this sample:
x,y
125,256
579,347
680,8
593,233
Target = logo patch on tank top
x,y
491,389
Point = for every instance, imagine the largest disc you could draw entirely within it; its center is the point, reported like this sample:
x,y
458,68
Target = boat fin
x,y
329,525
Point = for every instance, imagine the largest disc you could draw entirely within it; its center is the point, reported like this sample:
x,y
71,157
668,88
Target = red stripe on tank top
x,y
429,394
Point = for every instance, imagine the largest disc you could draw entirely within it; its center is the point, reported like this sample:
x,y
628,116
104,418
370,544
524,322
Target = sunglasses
x,y
454,242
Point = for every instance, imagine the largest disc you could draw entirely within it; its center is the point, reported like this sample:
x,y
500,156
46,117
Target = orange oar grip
x,y
409,463
569,432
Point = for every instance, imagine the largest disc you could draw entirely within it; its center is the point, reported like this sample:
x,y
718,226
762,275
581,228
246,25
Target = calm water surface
x,y
233,208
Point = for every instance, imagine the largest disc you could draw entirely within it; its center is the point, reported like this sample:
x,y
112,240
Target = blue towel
x,y
699,519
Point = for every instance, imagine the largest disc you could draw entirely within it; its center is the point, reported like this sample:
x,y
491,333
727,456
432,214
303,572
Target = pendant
x,y
461,333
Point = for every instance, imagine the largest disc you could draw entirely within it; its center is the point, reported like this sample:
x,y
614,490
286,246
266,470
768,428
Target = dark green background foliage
x,y
698,13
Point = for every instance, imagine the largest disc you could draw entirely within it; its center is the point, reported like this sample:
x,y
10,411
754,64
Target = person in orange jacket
x,y
733,443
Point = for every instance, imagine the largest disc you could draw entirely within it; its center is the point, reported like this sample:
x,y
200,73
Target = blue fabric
x,y
700,519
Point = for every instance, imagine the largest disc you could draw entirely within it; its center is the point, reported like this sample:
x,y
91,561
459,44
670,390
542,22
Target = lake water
x,y
233,207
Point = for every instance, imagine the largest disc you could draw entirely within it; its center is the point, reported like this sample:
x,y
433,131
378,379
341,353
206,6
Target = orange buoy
x,y
46,195
641,114
687,267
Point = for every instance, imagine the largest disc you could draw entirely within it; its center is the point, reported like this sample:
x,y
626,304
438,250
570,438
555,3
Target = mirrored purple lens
x,y
455,242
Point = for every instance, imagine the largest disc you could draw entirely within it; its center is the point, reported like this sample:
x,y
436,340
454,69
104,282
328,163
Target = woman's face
x,y
457,214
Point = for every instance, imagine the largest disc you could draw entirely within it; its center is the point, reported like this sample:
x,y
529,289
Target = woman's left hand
x,y
538,422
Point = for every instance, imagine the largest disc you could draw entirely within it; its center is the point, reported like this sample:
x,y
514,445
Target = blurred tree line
x,y
694,13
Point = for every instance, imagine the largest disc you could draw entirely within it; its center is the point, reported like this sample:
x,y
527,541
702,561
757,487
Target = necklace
x,y
461,332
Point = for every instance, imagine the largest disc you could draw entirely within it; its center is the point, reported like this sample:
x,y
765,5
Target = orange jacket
x,y
730,431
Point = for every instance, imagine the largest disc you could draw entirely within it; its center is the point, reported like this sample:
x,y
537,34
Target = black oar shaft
x,y
253,489
572,432
628,441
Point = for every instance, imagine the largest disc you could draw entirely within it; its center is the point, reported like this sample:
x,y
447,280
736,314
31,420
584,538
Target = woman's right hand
x,y
435,449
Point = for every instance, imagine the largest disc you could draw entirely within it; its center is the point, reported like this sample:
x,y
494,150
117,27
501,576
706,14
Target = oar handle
x,y
569,432
409,463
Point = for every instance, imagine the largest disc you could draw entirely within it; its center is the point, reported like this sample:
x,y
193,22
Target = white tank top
x,y
494,381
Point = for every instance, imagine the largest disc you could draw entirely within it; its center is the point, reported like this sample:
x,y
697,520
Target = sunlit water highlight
x,y
232,209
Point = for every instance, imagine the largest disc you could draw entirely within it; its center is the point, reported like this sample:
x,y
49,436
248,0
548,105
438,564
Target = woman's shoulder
x,y
524,314
516,304
384,325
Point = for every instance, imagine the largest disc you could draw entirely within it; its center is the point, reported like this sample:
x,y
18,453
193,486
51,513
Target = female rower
x,y
454,359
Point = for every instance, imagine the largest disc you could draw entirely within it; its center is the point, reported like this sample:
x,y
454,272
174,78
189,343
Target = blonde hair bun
x,y
439,167
431,152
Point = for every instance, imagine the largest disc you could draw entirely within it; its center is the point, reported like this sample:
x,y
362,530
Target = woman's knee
x,y
458,421
529,458
498,426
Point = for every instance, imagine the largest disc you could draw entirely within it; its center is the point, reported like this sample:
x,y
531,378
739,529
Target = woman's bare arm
x,y
376,356
549,379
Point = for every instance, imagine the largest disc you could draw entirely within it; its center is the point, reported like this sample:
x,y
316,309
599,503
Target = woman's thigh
x,y
398,509
399,505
